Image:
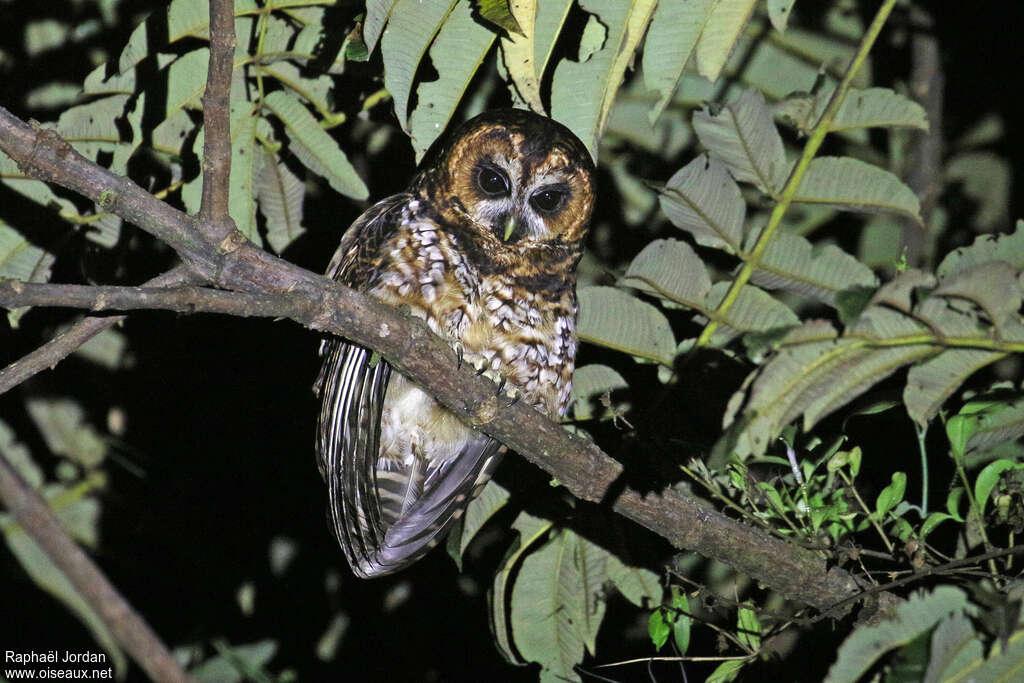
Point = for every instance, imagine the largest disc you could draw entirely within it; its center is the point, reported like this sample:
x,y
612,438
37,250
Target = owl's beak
x,y
510,226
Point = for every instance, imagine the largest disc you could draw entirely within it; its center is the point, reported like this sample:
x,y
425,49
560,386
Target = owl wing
x,y
386,515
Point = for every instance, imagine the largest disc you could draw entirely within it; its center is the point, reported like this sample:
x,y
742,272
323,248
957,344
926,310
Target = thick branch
x,y
578,464
132,632
217,115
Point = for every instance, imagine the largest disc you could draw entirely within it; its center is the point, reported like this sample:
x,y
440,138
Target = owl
x,y
483,246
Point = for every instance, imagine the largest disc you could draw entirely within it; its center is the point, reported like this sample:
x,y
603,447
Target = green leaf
x,y
641,587
67,434
891,495
779,12
793,264
815,373
557,604
525,57
246,163
498,13
726,671
755,311
530,530
629,121
987,480
457,51
683,621
17,454
611,317
909,620
658,628
1002,664
669,269
955,646
314,147
671,39
518,51
315,90
953,503
20,260
986,248
589,383
846,183
870,108
481,509
236,663
930,383
92,129
703,199
934,519
377,14
279,195
743,136
748,627
720,34
410,31
585,111
1001,422
993,286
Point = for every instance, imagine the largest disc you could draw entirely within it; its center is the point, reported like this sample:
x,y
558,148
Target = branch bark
x,y
262,284
327,306
68,341
133,633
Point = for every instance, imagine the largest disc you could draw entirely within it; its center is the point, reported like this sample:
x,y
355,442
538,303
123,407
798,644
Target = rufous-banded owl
x,y
483,246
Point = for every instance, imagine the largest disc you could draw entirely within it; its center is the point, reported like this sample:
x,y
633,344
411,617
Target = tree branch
x,y
131,630
221,257
68,341
578,464
15,293
217,116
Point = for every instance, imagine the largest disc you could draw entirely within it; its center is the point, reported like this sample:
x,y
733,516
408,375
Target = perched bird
x,y
483,246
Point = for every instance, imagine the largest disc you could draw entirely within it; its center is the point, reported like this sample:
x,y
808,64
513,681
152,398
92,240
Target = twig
x,y
34,516
578,464
226,260
817,136
68,341
15,293
939,570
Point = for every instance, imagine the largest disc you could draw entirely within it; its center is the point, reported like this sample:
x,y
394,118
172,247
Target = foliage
x,y
726,227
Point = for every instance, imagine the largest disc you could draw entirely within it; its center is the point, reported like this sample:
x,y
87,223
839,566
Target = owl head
x,y
520,179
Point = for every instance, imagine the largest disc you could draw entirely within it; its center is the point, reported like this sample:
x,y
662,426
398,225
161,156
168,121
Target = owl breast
x,y
524,334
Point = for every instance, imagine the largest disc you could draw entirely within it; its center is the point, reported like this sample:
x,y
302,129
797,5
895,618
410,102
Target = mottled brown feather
x,y
494,274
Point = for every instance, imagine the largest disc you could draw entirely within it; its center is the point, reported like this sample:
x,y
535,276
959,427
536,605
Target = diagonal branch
x,y
221,257
34,515
578,464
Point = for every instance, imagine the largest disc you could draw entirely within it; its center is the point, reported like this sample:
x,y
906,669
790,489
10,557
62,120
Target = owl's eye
x,y
548,199
492,181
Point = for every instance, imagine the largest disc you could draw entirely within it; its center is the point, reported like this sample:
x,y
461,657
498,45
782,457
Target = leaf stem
x,y
817,136
922,432
867,511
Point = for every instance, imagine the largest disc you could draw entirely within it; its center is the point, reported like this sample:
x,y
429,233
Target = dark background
x,y
220,422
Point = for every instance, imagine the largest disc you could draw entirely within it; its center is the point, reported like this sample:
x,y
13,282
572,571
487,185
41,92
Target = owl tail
x,y
385,518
